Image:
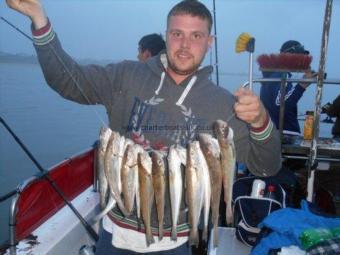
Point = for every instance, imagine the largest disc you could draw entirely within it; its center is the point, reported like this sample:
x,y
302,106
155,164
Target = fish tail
x,y
194,238
174,233
205,233
229,214
160,232
139,224
111,203
149,238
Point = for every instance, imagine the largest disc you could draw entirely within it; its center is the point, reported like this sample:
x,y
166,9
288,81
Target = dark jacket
x,y
270,96
334,111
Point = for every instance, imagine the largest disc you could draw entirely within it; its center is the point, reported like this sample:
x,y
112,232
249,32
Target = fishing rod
x,y
45,175
216,56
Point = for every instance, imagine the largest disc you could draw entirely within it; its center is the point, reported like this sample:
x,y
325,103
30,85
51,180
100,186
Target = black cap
x,y
294,47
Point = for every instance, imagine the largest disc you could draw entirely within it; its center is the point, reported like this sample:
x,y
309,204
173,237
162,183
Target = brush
x,y
245,42
284,62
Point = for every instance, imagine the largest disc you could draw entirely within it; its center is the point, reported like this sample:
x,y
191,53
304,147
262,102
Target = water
x,y
51,127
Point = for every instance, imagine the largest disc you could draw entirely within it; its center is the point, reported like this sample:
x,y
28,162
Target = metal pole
x,y
313,151
216,54
251,71
12,225
282,103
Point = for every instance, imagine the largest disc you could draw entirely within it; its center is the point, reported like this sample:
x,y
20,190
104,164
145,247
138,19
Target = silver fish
x,y
207,190
112,167
211,151
158,181
129,175
104,136
136,150
146,192
194,190
176,157
225,137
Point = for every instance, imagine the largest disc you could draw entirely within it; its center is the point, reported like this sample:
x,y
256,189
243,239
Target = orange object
x,y
284,62
308,126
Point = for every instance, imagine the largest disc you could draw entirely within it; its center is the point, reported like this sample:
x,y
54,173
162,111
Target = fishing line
x,y
63,65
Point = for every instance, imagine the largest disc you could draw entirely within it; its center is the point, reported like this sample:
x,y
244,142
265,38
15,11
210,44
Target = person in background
x,y
166,100
333,110
270,93
150,45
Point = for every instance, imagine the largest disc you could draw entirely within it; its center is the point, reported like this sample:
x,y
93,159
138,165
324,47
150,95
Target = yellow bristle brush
x,y
245,42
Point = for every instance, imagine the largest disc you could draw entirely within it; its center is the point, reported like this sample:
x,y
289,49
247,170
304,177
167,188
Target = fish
x,y
129,175
194,190
176,157
225,137
146,193
158,181
104,135
137,149
112,169
207,190
211,151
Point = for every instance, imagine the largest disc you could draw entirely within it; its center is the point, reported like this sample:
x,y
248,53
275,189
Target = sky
x,y
110,29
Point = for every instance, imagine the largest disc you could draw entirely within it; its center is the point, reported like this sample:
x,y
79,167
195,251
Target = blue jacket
x,y
270,96
287,225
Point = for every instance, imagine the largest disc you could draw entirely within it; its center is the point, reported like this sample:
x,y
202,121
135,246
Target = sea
x,y
53,128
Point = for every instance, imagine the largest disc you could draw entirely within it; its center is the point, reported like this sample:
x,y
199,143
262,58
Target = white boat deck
x,y
62,233
228,244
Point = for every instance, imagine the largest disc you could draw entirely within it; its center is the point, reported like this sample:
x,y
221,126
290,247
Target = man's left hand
x,y
249,108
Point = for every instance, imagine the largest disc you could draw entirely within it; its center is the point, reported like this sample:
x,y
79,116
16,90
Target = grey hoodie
x,y
145,104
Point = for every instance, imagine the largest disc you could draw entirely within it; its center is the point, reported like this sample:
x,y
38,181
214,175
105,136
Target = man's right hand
x,y
32,9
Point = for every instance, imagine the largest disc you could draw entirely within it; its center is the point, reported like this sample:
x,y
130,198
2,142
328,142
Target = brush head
x,y
284,62
245,42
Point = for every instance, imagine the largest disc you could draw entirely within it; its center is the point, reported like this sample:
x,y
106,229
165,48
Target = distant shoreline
x,y
8,58
26,59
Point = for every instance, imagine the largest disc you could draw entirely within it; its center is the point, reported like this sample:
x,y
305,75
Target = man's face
x,y
187,41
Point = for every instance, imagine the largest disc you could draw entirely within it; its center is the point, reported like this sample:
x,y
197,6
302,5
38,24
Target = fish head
x,y
116,142
157,159
182,153
129,156
221,130
205,142
208,144
104,136
192,154
144,160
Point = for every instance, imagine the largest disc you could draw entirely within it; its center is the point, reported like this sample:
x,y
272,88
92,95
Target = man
x,y
163,101
270,93
149,46
333,110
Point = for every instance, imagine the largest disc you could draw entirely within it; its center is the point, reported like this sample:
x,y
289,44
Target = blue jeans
x,y
104,247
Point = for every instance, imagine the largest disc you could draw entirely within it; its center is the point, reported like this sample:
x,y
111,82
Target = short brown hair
x,y
194,8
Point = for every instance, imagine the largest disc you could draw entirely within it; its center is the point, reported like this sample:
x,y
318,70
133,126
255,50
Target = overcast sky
x,y
110,29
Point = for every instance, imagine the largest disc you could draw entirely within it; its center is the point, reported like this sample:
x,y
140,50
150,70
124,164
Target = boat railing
x,y
312,156
35,195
